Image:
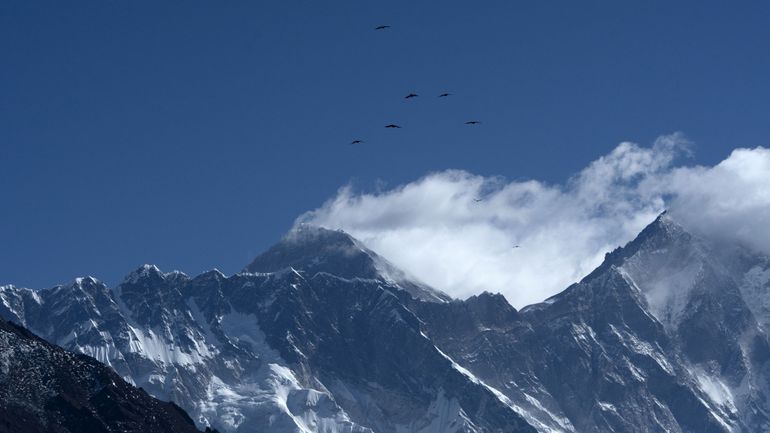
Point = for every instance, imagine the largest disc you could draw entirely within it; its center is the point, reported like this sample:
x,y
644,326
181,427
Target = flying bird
x,y
356,141
444,95
381,27
411,95
472,122
478,199
516,246
392,126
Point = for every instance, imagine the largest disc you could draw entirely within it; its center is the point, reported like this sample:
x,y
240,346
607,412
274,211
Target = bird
x,y
392,125
381,27
411,95
472,122
356,141
478,199
444,95
516,246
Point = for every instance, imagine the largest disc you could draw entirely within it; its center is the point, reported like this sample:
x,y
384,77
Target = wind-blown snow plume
x,y
465,233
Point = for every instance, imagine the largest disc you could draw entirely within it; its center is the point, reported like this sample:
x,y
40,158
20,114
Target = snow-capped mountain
x,y
666,335
44,388
320,334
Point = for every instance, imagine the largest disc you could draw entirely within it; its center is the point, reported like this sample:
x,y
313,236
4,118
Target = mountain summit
x,y
314,249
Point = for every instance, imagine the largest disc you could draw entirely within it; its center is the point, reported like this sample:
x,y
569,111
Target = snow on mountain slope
x,y
755,288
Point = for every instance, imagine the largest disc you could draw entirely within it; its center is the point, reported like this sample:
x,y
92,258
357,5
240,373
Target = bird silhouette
x,y
381,27
478,199
356,141
472,122
444,95
411,95
516,246
392,126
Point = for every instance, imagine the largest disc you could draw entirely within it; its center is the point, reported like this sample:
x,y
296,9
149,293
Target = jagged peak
x,y
486,296
211,274
490,307
80,281
79,287
14,291
661,231
149,271
175,273
143,272
667,223
82,284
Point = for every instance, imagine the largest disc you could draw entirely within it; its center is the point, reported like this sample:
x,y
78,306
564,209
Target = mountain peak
x,y
151,273
143,272
304,232
88,285
79,281
313,249
491,308
317,249
659,233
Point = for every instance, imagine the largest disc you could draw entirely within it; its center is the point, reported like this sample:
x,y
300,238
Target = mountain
x,y
661,337
44,388
320,334
711,298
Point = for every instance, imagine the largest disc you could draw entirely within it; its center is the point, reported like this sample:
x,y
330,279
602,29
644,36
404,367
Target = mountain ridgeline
x,y
320,334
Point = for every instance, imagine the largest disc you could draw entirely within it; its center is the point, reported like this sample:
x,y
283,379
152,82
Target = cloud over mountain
x,y
459,232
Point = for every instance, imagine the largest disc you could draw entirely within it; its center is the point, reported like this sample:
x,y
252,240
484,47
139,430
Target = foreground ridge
x,y
44,388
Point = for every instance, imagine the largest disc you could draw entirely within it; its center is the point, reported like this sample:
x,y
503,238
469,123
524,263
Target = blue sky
x,y
191,135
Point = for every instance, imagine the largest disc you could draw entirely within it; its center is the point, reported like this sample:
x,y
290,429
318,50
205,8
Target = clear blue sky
x,y
191,134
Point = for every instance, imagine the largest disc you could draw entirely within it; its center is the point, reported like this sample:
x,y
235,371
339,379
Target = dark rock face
x,y
709,298
43,388
367,343
320,334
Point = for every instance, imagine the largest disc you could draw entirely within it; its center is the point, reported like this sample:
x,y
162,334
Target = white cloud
x,y
436,230
730,200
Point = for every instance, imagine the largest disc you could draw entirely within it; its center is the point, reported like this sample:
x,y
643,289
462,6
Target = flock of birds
x,y
410,96
415,95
